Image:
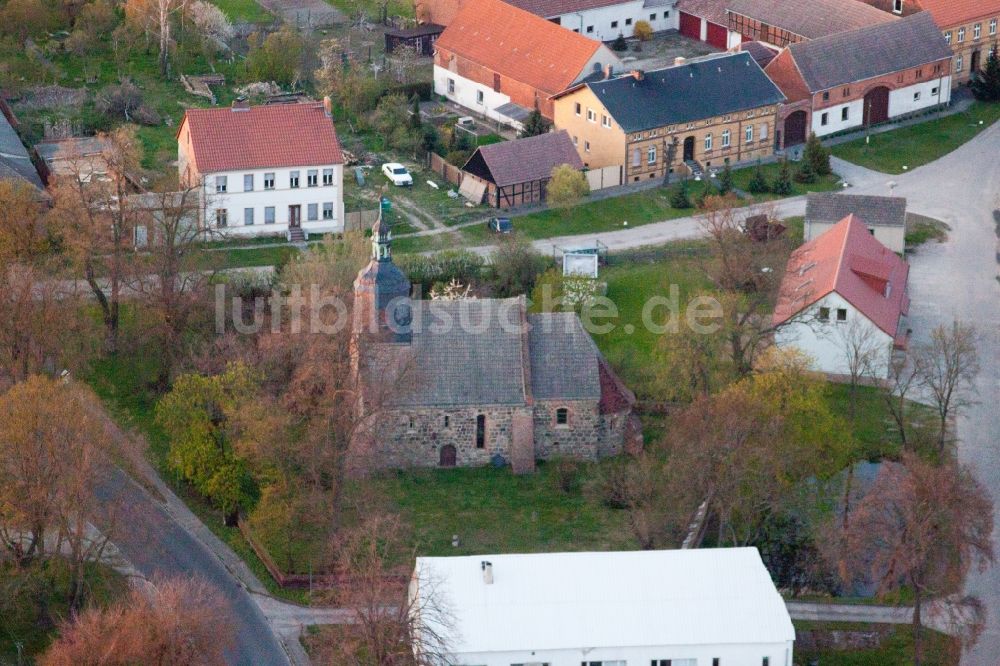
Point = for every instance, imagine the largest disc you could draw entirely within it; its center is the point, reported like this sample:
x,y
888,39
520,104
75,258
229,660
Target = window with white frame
x,y
947,37
576,108
312,212
993,26
293,179
961,34
328,210
605,120
479,97
897,6
221,183
312,178
824,119
221,217
248,217
845,114
959,64
977,31
328,176
651,155
269,215
916,96
591,115
248,182
268,181
708,142
749,133
726,134
586,146
636,157
763,131
451,86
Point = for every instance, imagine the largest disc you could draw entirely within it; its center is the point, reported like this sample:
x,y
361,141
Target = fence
x,y
360,220
604,177
449,172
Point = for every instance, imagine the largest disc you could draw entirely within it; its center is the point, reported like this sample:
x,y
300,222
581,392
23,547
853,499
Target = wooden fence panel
x,y
360,220
604,177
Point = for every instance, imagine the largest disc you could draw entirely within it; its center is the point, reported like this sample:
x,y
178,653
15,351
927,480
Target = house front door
x,y
689,149
976,61
295,216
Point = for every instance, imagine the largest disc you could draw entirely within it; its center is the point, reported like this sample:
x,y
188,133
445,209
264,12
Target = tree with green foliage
x,y
277,57
515,265
758,182
817,155
986,84
806,172
725,180
535,125
679,198
198,418
430,139
783,183
415,121
619,44
566,187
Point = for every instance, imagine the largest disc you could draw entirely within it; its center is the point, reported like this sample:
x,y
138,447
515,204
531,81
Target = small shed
x,y
516,172
421,38
885,217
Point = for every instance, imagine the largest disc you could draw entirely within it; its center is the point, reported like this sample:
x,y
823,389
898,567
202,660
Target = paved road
x,y
156,543
959,280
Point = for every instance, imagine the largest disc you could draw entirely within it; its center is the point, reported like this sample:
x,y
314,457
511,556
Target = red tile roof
x,y
518,44
259,137
949,13
846,259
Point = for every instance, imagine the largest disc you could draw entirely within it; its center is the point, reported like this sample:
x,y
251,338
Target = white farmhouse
x,y
263,170
706,607
604,20
843,301
885,216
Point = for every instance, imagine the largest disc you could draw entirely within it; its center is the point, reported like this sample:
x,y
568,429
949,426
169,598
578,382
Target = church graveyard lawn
x,y
919,144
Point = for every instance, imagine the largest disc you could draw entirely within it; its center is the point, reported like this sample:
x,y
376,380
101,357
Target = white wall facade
x,y
466,93
919,96
826,342
606,23
779,654
235,200
835,118
893,238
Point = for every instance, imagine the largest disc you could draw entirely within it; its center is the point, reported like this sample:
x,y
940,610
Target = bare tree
x,y
947,367
178,621
903,379
51,459
921,527
98,224
392,625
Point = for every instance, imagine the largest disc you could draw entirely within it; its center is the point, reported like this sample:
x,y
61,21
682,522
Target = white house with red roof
x,y
275,169
844,296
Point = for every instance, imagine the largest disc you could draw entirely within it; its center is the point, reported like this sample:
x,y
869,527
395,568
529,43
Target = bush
x,y
643,31
679,196
515,267
725,180
125,102
758,182
619,44
783,183
566,187
610,485
441,267
420,89
817,156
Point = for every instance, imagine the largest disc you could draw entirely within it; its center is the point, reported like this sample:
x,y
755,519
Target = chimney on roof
x,y
487,568
609,71
241,104
637,74
328,106
679,60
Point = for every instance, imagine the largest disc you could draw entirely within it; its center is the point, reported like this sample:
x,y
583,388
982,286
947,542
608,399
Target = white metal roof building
x,y
710,607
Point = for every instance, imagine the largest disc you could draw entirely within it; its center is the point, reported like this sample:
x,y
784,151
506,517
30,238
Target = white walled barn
x,y
679,607
844,298
264,170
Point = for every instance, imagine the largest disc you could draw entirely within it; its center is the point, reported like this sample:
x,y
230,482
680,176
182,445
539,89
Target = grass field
x,y
741,180
896,648
920,144
244,11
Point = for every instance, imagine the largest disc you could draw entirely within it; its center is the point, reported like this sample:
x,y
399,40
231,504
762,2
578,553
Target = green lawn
x,y
921,229
920,144
741,180
896,648
247,11
493,510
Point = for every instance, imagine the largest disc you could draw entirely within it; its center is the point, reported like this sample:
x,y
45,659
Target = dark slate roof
x,y
529,159
15,163
760,52
876,211
487,360
564,359
812,19
700,89
869,52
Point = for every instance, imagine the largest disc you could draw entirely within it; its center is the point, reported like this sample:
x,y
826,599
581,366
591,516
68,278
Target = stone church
x,y
479,381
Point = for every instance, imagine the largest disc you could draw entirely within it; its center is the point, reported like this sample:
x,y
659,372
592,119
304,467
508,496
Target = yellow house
x,y
695,115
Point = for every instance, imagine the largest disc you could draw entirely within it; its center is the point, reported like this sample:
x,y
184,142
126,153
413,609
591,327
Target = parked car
x,y
397,173
501,225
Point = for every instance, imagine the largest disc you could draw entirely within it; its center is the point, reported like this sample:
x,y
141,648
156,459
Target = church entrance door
x,y
448,456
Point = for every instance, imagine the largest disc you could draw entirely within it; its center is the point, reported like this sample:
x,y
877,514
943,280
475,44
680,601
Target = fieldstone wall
x,y
577,439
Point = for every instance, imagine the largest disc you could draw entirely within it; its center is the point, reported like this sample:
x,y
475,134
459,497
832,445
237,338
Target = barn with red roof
x,y
844,293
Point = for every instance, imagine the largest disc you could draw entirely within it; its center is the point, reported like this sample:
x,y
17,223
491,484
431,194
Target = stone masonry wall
x,y
577,439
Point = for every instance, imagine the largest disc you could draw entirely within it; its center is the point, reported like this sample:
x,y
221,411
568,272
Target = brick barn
x,y
502,62
781,23
862,77
516,172
474,382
